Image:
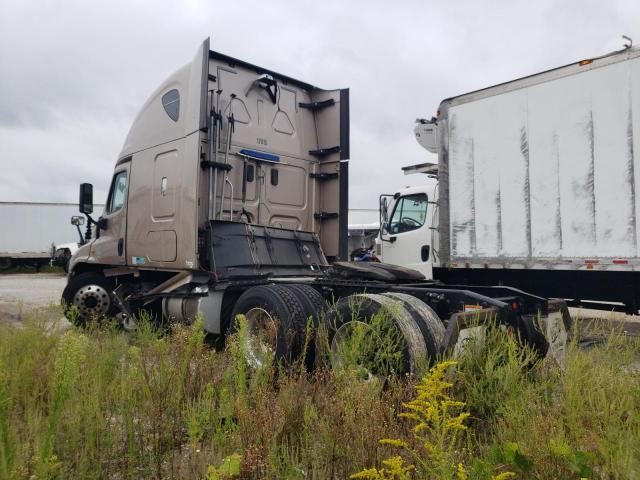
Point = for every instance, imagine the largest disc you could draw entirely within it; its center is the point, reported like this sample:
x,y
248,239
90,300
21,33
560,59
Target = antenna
x,y
628,39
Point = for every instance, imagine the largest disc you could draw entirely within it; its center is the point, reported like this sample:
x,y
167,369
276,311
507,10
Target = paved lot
x,y
23,292
601,321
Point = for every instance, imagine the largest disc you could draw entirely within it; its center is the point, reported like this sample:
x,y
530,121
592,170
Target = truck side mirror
x,y
86,198
384,215
77,220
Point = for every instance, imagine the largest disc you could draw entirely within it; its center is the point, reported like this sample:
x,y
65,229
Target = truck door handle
x,y
424,253
120,246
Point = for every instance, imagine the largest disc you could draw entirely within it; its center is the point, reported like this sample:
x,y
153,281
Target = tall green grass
x,y
100,403
544,420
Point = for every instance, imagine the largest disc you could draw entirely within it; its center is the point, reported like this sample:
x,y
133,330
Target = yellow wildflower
x,y
456,423
437,420
461,473
504,476
368,474
393,442
397,468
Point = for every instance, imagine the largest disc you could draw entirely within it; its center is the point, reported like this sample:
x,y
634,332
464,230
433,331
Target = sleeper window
x,y
171,104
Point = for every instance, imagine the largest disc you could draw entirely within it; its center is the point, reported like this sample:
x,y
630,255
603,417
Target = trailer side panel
x,y
543,172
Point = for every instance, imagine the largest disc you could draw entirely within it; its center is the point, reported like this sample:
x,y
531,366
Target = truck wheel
x,y
89,294
376,334
276,323
427,320
5,263
312,301
314,306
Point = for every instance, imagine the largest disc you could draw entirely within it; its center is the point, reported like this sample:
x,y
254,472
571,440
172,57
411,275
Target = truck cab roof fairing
x,y
259,70
153,125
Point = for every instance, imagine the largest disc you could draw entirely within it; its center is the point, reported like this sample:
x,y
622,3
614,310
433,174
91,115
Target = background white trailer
x,y
544,170
541,174
364,224
30,228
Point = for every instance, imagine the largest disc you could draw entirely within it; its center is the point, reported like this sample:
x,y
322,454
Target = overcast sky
x,y
73,74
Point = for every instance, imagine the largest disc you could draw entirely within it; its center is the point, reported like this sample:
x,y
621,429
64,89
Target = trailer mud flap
x,y
547,334
557,327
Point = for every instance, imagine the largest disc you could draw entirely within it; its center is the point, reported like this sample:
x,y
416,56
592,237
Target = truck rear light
x,y
621,262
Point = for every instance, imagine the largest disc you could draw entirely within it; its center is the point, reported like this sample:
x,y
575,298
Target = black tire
x,y
404,332
5,263
427,320
315,307
286,316
313,302
87,296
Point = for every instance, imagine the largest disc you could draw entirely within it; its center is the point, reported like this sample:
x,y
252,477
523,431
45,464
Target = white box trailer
x,y
537,182
29,229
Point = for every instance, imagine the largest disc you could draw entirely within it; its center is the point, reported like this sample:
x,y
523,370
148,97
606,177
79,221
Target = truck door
x,y
110,248
406,236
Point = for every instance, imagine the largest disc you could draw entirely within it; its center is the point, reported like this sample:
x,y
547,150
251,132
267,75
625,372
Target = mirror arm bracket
x,y
87,233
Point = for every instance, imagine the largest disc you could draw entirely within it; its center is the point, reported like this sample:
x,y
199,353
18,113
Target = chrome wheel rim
x,y
92,301
262,337
343,352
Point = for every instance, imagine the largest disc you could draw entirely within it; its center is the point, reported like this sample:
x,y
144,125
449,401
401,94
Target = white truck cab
x,y
409,221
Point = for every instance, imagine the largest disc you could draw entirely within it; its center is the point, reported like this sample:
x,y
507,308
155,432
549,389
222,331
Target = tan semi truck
x,y
230,197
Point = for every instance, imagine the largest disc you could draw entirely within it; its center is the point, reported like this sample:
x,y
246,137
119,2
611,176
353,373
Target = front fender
x,y
80,256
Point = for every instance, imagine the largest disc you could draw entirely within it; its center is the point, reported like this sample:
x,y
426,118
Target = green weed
x,y
101,403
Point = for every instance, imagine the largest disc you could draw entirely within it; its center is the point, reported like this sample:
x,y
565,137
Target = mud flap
x,y
556,328
548,334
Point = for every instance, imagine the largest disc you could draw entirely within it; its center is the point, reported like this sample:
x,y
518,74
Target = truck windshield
x,y
409,213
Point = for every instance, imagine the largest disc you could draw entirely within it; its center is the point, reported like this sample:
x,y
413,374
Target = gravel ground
x,y
21,293
602,321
